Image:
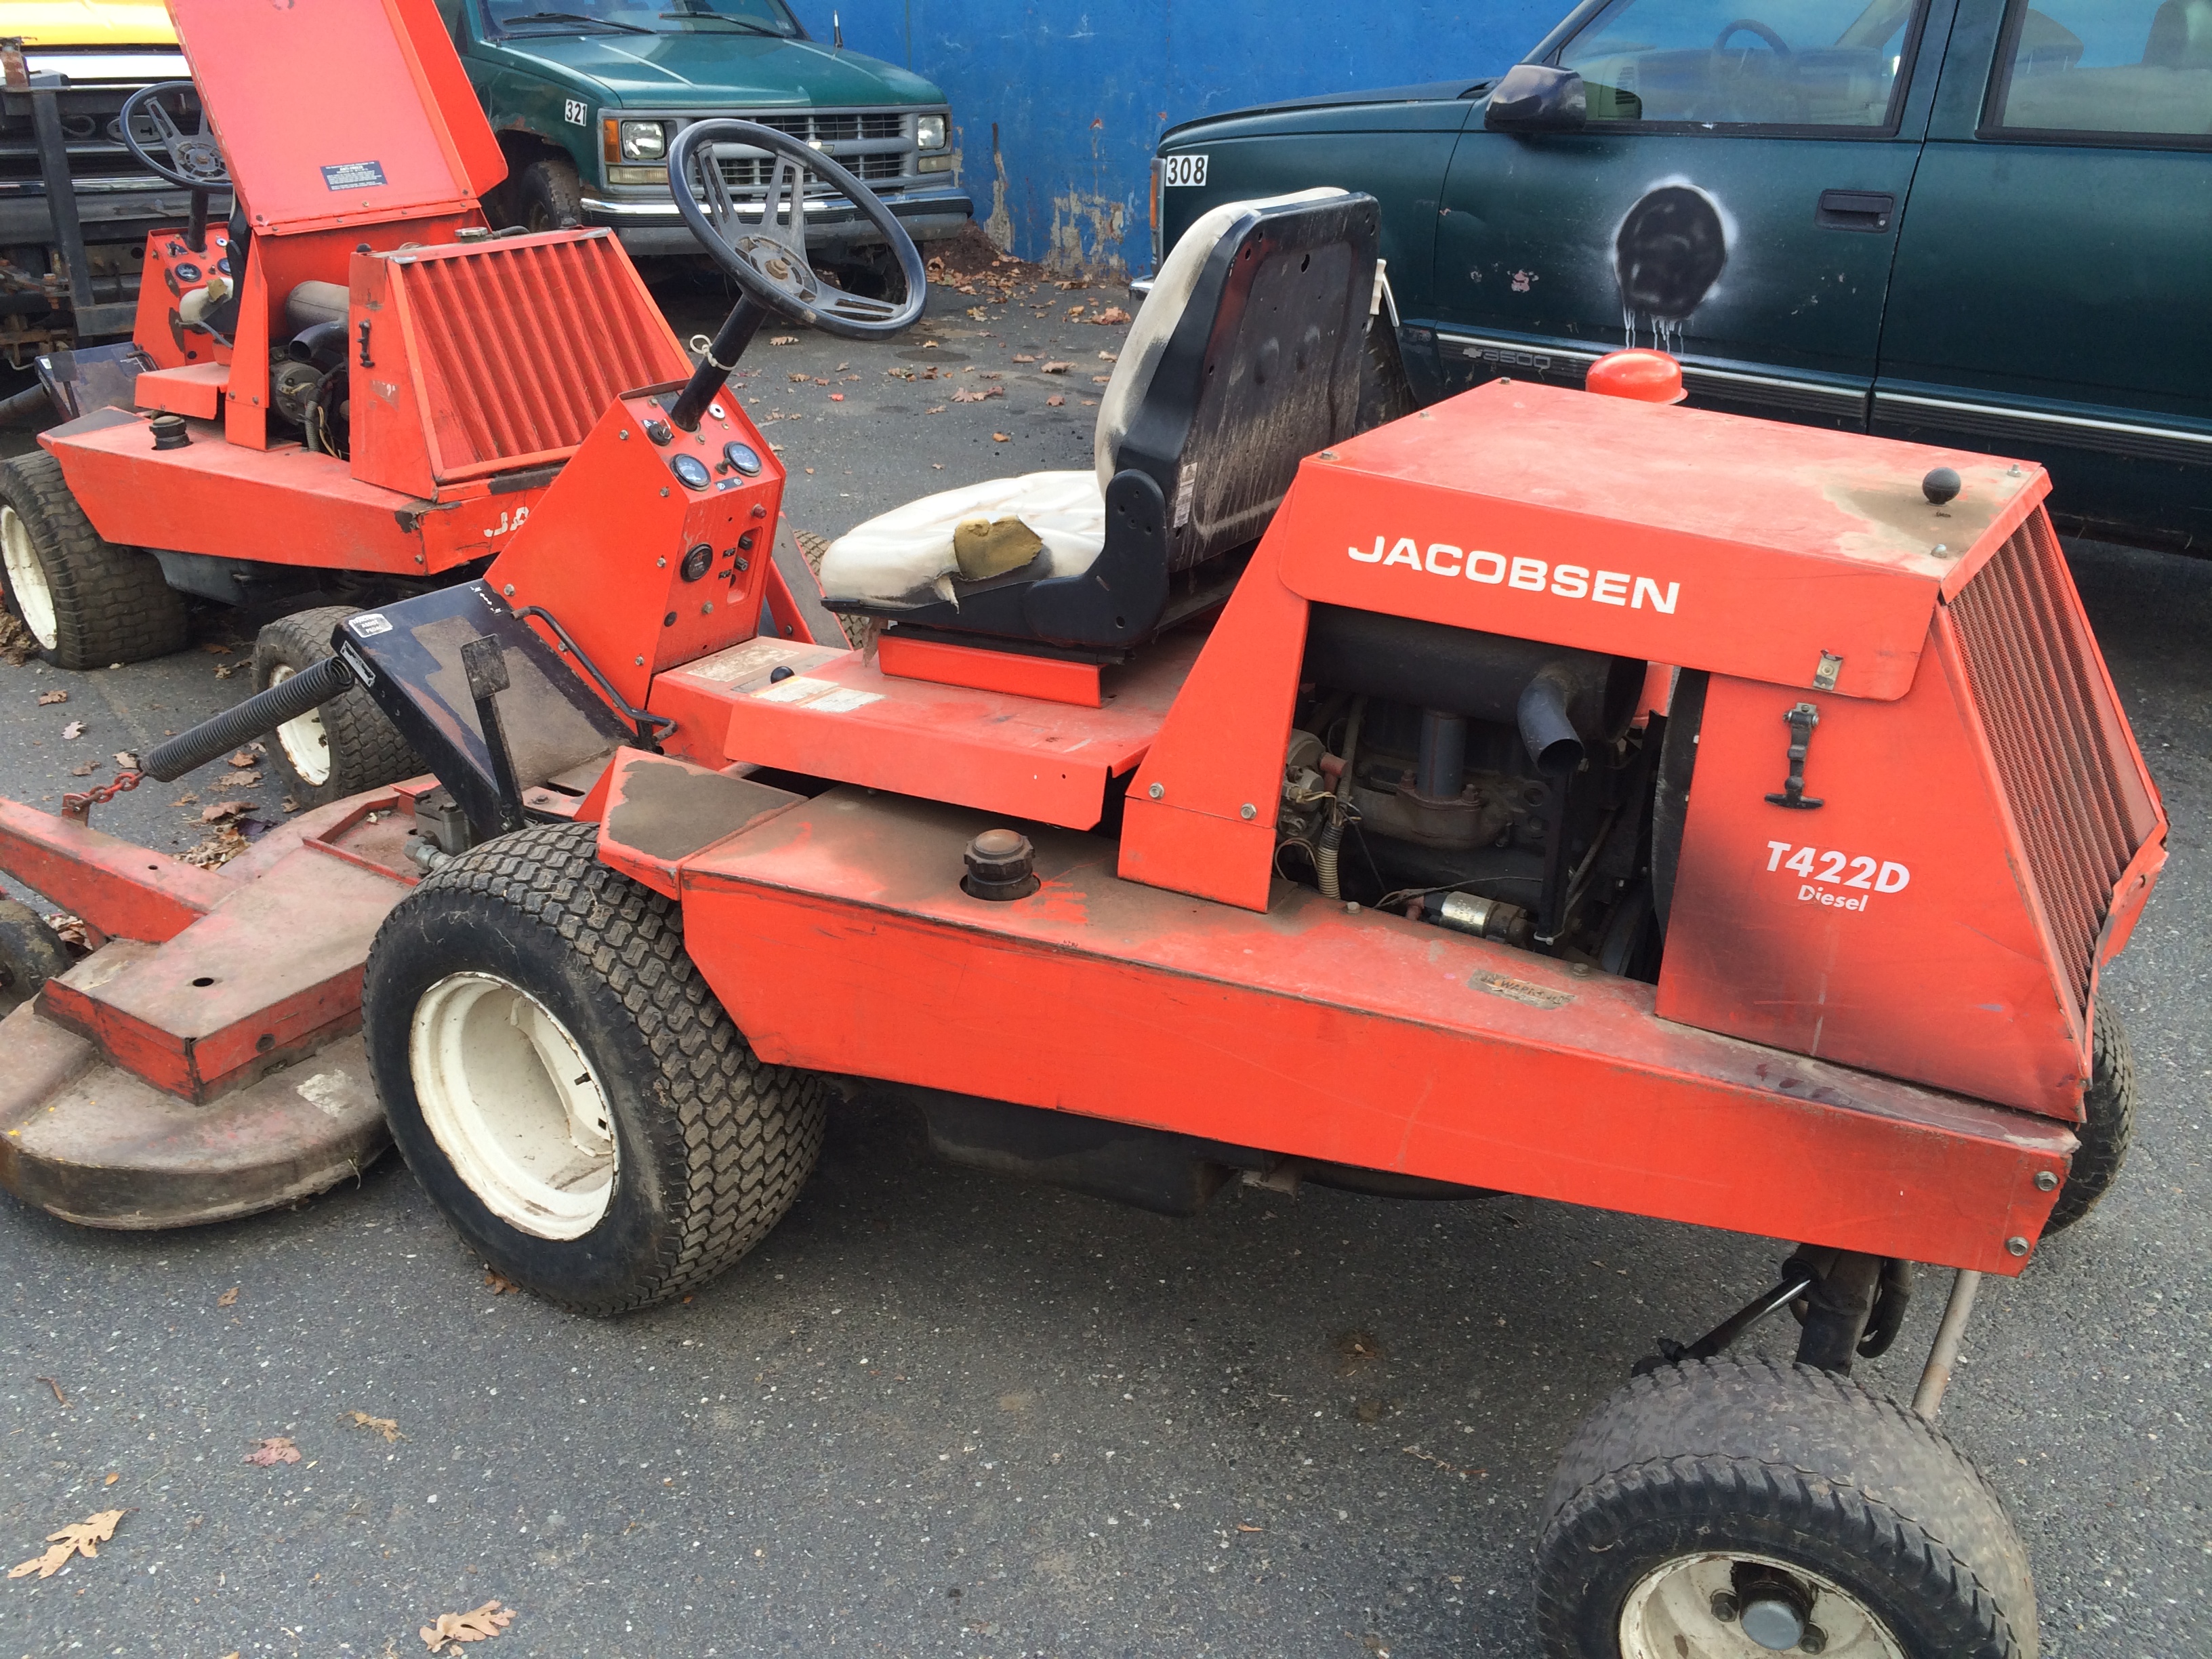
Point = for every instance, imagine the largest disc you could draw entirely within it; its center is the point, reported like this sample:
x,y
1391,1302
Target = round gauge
x,y
697,562
743,457
692,471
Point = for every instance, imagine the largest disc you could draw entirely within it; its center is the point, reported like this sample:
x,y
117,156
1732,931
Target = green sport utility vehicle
x,y
587,96
1985,223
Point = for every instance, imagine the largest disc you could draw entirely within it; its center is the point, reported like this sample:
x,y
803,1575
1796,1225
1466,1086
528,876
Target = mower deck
x,y
214,1072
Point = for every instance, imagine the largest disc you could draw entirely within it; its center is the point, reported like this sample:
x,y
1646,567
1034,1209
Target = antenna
x,y
836,32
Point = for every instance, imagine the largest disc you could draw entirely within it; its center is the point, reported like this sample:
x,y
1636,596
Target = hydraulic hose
x,y
265,711
1330,841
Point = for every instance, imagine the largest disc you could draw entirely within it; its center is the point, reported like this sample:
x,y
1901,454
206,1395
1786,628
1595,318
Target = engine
x,y
1497,786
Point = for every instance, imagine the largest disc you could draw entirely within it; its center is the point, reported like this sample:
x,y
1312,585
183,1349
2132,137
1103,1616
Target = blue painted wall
x,y
1079,93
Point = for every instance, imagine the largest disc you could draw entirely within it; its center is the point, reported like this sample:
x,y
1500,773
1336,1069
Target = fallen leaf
x,y
185,799
1058,369
217,850
238,781
83,771
1025,358
212,649
247,756
500,1283
476,1626
18,645
223,671
837,397
1111,314
799,377
383,1426
1054,401
45,697
228,1298
73,931
289,804
113,1479
1002,437
56,1386
939,409
74,729
126,760
1109,357
272,1452
784,339
82,1539
1102,380
976,394
223,810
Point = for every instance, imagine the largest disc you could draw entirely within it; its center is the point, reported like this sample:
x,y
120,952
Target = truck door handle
x,y
1855,209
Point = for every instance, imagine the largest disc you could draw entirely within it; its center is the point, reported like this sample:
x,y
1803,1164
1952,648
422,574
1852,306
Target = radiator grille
x,y
523,346
872,144
2064,757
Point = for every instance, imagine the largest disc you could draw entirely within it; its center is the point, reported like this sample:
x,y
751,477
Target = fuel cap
x,y
1000,866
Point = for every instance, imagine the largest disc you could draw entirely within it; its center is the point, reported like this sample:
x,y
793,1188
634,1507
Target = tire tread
x,y
111,604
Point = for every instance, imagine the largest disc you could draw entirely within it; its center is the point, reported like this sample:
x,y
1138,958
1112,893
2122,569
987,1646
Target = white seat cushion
x,y
905,556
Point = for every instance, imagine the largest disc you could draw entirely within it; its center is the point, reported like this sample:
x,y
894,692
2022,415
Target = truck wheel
x,y
2108,1123
1729,1508
548,196
345,746
88,602
564,1084
31,953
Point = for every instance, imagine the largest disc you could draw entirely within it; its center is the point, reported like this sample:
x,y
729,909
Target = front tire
x,y
89,603
565,1086
548,196
1720,1508
345,746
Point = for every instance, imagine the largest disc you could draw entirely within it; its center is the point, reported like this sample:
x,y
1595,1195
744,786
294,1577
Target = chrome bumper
x,y
649,229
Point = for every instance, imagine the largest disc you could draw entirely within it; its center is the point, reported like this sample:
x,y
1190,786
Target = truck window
x,y
2101,70
1746,63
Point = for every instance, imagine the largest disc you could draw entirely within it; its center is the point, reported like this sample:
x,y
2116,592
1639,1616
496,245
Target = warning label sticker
x,y
354,175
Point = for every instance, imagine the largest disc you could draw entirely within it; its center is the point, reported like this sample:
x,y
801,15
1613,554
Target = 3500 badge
x,y
1830,876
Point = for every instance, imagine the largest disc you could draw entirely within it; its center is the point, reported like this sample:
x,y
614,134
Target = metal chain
x,y
79,804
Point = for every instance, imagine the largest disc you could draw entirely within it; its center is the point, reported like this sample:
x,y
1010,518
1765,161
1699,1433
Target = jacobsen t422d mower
x,y
1278,802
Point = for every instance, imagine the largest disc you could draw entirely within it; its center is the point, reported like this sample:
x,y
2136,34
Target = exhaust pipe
x,y
1547,729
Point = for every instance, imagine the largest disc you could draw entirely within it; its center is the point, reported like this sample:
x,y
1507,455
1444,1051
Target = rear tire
x,y
31,953
1841,1511
345,746
548,196
2108,1122
564,1084
89,603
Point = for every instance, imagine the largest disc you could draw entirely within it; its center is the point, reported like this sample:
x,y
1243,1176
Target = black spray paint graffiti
x,y
1669,252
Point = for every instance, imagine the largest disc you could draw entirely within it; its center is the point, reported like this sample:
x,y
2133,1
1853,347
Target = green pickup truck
x,y
586,99
1985,223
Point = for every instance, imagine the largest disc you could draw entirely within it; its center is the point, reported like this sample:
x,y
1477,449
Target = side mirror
x,y
1537,98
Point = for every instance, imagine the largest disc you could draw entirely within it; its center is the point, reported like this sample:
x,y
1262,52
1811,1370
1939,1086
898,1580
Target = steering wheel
x,y
766,255
1752,26
195,160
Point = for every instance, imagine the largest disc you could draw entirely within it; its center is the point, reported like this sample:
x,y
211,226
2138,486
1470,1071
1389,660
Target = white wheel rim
x,y
513,1105
27,579
1669,1614
305,739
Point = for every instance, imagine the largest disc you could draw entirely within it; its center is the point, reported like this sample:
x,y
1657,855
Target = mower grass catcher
x,y
1566,787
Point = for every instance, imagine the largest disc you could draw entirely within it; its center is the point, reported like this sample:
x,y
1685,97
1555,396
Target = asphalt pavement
x,y
938,1413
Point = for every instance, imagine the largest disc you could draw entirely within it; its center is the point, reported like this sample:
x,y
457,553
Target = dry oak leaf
x,y
976,394
74,729
126,760
249,756
83,771
1054,401
82,1539
223,671
1024,358
225,808
212,649
1058,368
1002,437
228,1299
478,1626
783,339
239,781
45,697
272,1452
499,1284
388,1427
1111,314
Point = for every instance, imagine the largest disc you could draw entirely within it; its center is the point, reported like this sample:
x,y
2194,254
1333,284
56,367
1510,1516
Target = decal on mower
x,y
354,175
1828,872
368,625
1564,581
356,661
508,522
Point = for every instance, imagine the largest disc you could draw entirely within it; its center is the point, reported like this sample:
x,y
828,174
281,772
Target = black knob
x,y
1000,866
780,673
1941,485
659,431
170,432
